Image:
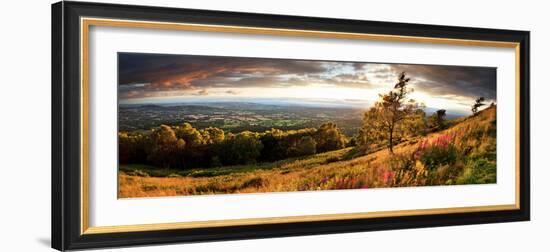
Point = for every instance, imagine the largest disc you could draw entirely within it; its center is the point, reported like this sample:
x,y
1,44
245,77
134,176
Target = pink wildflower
x,y
387,176
442,141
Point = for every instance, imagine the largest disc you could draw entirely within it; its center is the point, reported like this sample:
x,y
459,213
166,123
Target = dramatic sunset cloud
x,y
155,77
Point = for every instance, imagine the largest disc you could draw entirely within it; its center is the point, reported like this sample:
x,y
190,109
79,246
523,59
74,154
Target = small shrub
x,y
437,153
149,187
254,182
139,173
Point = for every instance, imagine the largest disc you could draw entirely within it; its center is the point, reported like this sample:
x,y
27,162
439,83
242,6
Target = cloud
x,y
202,92
169,72
359,79
178,73
157,75
452,80
232,92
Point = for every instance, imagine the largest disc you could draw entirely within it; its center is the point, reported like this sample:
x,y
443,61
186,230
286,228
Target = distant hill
x,y
449,114
271,105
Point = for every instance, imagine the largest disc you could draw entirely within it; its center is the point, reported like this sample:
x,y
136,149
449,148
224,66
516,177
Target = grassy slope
x,y
473,137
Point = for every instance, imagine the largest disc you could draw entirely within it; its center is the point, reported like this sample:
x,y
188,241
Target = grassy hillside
x,y
462,154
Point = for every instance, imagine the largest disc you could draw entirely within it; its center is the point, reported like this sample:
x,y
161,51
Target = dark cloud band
x,y
150,75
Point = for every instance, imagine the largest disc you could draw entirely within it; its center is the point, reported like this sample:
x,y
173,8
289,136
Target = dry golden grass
x,y
331,170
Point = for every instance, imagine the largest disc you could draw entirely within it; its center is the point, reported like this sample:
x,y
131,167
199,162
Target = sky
x,y
161,78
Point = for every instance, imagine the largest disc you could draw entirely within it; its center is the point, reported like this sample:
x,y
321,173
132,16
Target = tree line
x,y
185,147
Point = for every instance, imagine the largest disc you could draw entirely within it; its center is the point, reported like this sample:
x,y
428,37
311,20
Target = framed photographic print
x,y
180,125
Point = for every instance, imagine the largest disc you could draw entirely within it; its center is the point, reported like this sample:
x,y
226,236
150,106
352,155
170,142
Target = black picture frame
x,y
66,125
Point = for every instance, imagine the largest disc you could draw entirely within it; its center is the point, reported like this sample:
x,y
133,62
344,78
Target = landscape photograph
x,y
204,125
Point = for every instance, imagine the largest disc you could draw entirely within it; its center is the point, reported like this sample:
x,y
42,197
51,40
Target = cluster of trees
x,y
185,147
395,117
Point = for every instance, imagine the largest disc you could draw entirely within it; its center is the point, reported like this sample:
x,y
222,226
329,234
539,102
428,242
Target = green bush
x,y
437,153
479,171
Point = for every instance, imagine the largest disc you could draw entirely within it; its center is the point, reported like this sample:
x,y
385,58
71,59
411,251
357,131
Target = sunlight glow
x,y
346,96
